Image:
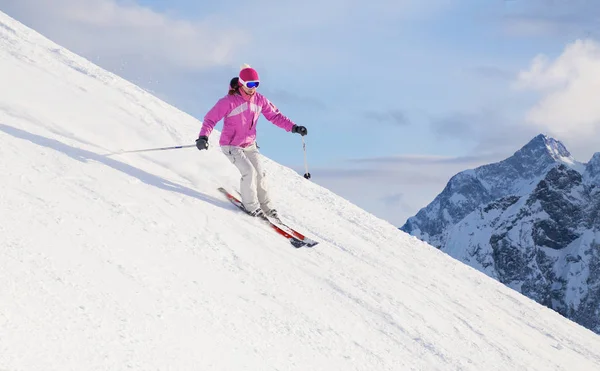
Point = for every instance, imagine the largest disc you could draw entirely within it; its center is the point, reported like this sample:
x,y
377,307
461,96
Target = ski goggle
x,y
250,84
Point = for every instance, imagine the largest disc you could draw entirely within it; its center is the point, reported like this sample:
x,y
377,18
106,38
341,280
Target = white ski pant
x,y
253,185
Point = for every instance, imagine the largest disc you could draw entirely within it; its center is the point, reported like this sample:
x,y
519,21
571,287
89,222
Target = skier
x,y
240,109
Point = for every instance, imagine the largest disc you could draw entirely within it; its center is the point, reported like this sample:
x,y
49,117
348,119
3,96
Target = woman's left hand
x,y
300,130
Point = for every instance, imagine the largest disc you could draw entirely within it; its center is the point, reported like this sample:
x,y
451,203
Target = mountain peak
x,y
553,147
543,151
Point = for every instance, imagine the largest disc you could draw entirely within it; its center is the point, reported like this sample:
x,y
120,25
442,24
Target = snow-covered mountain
x,y
531,221
137,262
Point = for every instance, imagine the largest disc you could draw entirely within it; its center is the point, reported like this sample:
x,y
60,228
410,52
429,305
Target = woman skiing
x,y
240,109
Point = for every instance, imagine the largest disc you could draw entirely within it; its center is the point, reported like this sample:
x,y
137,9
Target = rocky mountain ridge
x,y
531,221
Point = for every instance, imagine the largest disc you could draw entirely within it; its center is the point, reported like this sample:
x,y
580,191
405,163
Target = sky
x,y
397,96
135,261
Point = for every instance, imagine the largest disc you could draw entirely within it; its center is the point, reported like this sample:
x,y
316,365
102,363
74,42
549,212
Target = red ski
x,y
294,240
309,242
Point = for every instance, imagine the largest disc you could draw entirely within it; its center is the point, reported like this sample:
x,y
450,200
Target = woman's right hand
x,y
202,143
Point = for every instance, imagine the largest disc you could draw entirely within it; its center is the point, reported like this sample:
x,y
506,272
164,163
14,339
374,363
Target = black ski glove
x,y
202,142
300,130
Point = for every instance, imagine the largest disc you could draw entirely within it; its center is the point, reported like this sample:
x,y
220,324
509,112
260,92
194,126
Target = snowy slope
x,y
137,262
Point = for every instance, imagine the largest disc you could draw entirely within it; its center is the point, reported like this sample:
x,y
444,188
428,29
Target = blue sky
x,y
397,95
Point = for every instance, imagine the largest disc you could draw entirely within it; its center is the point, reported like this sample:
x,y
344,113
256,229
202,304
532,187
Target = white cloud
x,y
570,90
123,34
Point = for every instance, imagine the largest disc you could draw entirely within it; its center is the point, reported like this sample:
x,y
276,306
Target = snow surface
x,y
135,261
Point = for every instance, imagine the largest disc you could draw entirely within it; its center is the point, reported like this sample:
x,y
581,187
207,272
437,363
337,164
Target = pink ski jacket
x,y
240,117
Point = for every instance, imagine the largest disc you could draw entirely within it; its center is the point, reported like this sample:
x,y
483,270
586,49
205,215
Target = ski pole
x,y
152,149
306,174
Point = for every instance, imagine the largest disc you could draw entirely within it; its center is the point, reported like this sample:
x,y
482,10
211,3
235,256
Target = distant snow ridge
x,y
531,221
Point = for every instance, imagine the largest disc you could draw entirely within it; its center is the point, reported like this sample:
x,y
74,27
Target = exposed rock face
x,y
531,221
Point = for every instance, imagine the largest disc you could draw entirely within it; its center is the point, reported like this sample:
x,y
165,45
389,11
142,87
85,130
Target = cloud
x,y
568,88
423,160
486,132
393,188
391,195
124,35
394,117
551,17
458,124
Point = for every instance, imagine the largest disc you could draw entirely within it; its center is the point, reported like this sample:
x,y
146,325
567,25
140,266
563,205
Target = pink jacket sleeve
x,y
273,114
213,116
